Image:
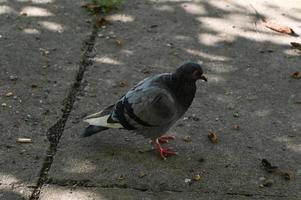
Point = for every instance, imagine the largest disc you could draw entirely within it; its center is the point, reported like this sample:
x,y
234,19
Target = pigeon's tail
x,y
91,130
99,122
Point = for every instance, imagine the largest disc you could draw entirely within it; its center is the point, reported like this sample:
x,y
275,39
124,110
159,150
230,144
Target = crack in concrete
x,y
87,183
253,194
55,132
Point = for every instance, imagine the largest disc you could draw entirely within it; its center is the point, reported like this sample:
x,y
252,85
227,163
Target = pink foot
x,y
165,139
164,152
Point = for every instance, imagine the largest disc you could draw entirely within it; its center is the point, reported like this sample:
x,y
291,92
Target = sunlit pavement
x,y
251,101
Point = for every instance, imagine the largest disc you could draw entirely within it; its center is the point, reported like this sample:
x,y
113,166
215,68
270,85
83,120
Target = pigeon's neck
x,y
183,89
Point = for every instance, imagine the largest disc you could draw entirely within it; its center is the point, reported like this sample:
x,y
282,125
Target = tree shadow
x,y
249,87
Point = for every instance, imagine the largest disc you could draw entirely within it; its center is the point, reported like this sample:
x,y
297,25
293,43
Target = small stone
x,y
13,78
3,104
236,127
187,180
187,139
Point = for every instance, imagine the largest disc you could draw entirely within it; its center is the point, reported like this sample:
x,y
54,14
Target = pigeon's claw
x,y
164,152
165,139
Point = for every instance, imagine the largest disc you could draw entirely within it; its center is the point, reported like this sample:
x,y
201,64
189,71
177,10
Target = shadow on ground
x,y
249,69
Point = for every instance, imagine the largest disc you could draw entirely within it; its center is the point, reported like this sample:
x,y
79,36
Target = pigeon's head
x,y
191,71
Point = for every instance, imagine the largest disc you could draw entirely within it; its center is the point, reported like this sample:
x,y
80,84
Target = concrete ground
x,y
57,67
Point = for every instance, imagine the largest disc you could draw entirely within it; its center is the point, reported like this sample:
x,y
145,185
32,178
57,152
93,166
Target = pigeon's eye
x,y
196,73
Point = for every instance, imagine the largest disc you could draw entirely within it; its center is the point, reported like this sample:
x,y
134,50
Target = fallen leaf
x,y
100,21
122,84
212,137
118,42
24,140
278,27
187,139
196,177
91,7
236,127
141,174
268,166
147,70
120,178
296,45
296,75
23,14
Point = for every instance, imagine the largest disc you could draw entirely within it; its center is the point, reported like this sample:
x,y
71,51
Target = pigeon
x,y
151,107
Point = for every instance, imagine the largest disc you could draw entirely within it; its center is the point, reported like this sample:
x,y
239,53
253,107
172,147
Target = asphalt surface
x,y
59,67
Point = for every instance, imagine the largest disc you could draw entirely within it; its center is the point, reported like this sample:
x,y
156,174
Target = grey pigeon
x,y
151,107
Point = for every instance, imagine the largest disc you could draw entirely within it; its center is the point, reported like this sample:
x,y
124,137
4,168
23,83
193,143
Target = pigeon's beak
x,y
203,78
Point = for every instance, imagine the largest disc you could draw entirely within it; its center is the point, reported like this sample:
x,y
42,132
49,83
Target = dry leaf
x,y
146,70
91,7
23,14
118,42
296,75
296,44
121,84
120,178
236,127
101,22
212,137
141,174
278,27
196,177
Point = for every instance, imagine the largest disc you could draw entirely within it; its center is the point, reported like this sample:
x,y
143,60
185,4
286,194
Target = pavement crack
x,y
87,183
55,132
253,194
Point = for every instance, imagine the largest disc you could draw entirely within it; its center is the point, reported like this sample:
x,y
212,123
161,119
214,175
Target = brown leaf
x,y
23,14
296,75
91,7
147,70
196,177
236,127
278,27
142,174
100,21
212,137
118,42
296,45
121,84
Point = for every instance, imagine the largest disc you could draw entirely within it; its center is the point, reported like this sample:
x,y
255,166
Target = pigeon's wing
x,y
149,106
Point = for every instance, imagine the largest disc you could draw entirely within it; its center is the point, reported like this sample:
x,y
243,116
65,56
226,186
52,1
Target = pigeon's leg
x,y
165,138
164,152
